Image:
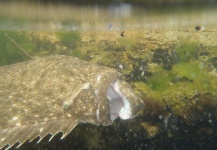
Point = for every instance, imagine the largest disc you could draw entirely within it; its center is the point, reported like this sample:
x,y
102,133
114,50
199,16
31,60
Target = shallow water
x,y
170,64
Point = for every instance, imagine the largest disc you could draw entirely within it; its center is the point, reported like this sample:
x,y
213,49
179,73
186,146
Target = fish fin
x,y
77,90
24,133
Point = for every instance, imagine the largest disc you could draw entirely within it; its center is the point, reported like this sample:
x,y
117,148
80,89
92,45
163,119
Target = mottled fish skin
x,y
52,95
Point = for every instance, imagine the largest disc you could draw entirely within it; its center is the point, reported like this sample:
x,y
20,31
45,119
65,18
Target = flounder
x,y
53,94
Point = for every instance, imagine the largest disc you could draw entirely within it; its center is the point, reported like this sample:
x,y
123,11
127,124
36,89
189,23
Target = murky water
x,y
37,16
168,55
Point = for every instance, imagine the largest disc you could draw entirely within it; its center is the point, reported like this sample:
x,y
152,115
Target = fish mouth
x,y
120,104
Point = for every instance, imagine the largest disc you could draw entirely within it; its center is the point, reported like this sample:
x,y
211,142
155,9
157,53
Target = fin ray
x,y
30,132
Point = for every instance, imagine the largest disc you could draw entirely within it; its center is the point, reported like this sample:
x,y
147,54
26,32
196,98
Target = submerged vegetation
x,y
9,52
37,44
187,51
165,54
152,68
176,78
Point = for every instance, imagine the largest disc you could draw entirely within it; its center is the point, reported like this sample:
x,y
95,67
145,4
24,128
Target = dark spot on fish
x,y
65,106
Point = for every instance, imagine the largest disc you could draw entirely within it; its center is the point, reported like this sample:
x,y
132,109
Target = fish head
x,y
102,98
116,99
124,103
82,104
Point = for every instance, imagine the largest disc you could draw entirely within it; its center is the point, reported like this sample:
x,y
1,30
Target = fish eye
x,y
65,106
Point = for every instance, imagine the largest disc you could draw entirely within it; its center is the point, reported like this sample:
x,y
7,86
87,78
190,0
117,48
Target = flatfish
x,y
53,94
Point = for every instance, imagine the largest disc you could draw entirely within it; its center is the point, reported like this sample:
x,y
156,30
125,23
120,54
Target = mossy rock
x,y
70,39
187,51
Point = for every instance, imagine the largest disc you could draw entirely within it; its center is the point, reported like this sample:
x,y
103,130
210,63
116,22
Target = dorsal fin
x,y
24,133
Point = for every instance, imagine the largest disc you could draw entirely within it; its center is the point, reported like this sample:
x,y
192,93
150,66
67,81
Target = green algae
x,y
37,46
9,52
43,46
70,39
187,51
71,42
198,73
187,77
127,43
212,50
160,80
193,70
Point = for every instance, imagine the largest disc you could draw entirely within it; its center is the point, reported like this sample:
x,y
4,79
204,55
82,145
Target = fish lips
x,y
123,101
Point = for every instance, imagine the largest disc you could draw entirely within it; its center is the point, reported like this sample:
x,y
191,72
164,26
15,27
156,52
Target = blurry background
x,y
135,2
105,15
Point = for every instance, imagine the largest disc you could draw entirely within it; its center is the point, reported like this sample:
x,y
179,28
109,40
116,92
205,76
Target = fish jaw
x,y
123,101
103,81
115,98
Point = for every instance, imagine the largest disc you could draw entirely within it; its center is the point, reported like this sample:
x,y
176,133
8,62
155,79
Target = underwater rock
x,y
162,56
214,61
175,56
115,48
122,34
139,71
197,28
204,53
152,129
181,79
